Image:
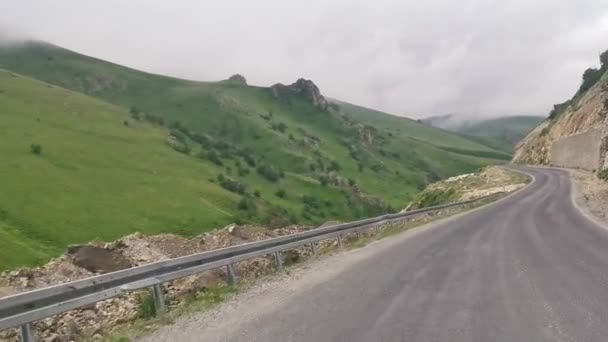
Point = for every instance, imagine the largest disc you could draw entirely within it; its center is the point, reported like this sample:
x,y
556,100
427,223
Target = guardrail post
x,y
358,234
230,275
313,247
278,261
159,298
26,333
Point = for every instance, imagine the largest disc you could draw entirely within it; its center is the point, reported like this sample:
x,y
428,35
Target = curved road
x,y
528,268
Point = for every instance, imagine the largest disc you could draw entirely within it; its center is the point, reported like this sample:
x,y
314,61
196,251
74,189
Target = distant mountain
x,y
92,149
500,133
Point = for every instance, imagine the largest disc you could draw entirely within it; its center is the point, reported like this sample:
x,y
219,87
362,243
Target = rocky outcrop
x,y
586,111
303,88
238,79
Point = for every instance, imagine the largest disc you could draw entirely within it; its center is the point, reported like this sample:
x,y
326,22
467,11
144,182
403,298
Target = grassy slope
x,y
95,178
98,178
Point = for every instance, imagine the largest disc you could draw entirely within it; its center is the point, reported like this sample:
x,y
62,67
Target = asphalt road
x,y
531,267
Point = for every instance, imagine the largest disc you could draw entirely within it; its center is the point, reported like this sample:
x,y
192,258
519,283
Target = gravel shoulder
x,y
591,195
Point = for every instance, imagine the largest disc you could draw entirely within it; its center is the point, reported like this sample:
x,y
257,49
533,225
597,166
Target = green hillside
x,y
501,133
124,151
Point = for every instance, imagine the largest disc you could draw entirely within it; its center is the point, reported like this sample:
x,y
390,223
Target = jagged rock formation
x,y
587,110
303,88
238,79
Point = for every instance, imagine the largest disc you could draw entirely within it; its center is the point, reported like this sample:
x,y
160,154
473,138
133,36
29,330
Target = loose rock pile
x,y
137,249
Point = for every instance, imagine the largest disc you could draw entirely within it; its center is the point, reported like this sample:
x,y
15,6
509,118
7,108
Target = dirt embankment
x,y
491,180
98,257
594,192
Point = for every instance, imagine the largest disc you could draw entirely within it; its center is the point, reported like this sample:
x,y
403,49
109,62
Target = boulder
x,y
238,79
303,88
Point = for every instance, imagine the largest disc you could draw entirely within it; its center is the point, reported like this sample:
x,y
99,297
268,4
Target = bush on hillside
x,y
603,174
243,171
590,78
281,127
334,166
248,158
281,193
324,180
157,120
231,185
36,149
178,135
247,204
558,109
213,157
268,172
181,148
134,111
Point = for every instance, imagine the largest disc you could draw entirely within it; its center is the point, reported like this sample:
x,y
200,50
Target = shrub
x,y
351,182
182,148
243,171
134,111
268,172
247,203
558,109
590,78
178,135
145,306
324,180
334,166
257,193
281,127
249,159
154,119
603,174
281,193
231,185
311,201
36,149
377,167
213,157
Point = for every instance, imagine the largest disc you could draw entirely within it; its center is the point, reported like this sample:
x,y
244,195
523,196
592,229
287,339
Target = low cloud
x,y
483,58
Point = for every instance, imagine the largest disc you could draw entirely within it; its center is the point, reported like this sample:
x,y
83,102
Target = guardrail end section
x,y
27,334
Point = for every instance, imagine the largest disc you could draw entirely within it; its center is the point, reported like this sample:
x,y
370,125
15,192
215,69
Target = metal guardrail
x,y
21,309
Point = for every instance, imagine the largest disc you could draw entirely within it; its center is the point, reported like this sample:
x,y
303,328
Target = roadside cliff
x,y
575,129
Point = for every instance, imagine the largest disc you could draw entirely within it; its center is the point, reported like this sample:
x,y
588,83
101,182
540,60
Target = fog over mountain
x,y
407,57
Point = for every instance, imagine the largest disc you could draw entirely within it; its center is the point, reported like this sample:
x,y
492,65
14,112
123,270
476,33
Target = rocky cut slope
x,y
575,129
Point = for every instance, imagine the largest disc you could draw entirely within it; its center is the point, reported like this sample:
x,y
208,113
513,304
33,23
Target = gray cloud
x,y
407,57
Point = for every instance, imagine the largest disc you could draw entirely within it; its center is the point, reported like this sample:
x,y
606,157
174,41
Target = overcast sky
x,y
414,58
